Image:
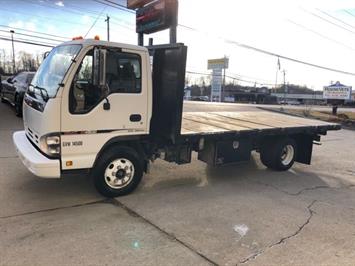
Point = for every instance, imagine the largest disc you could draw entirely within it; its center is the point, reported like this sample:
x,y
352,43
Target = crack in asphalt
x,y
304,189
284,239
55,209
296,193
171,236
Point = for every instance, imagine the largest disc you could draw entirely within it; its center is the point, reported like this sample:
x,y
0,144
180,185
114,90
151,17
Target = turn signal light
x,y
69,163
97,38
78,38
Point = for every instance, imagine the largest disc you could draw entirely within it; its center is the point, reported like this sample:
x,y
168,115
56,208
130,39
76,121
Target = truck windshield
x,y
53,69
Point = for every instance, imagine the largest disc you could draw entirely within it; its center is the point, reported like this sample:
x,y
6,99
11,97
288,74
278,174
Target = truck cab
x,y
76,103
86,96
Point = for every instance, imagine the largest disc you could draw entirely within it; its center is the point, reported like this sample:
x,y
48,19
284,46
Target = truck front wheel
x,y
278,154
118,172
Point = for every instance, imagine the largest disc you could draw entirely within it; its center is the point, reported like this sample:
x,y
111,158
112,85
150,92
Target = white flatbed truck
x,y
110,109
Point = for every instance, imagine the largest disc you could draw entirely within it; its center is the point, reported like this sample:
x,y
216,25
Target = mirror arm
x,y
107,105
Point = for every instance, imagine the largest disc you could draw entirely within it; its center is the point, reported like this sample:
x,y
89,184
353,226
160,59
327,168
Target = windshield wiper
x,y
43,91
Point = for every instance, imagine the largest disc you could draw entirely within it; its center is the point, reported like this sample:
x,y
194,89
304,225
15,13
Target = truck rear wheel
x,y
279,154
118,172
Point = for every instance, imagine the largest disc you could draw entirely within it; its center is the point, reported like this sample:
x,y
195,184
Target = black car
x,y
13,89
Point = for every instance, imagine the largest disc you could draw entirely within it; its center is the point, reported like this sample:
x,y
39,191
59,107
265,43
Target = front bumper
x,y
35,161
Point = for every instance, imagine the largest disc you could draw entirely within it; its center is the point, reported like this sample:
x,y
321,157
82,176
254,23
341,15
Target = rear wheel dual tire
x,y
118,172
278,154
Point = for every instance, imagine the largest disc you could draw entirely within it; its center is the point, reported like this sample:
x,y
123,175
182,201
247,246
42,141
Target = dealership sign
x,y
217,66
337,91
219,63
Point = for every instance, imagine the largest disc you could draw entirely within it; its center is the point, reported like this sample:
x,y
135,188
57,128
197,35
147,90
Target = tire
x,y
2,98
278,154
117,172
18,106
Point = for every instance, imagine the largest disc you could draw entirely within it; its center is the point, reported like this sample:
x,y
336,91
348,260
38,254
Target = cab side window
x,y
123,75
84,96
123,72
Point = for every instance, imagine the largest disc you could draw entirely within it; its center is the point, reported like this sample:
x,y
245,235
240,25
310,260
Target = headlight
x,y
50,145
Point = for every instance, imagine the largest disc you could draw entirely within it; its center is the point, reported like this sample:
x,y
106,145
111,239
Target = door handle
x,y
135,118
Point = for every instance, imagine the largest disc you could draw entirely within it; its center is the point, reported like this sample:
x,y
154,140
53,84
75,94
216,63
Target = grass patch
x,y
345,118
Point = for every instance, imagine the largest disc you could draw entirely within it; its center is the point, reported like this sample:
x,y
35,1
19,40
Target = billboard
x,y
337,91
133,4
156,16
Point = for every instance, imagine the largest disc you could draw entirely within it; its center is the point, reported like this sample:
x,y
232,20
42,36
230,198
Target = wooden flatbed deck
x,y
201,123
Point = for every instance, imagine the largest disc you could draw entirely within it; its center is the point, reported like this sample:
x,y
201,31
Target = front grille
x,y
33,137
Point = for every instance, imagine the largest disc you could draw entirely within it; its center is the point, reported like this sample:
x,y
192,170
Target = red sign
x,y
133,4
156,16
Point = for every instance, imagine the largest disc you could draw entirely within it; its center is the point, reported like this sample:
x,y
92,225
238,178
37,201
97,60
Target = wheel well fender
x,y
130,142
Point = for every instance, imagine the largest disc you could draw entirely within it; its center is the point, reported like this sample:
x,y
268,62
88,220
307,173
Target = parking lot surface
x,y
183,215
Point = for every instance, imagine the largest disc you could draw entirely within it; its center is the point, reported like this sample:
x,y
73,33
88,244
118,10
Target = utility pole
x,y
277,72
13,52
285,87
108,27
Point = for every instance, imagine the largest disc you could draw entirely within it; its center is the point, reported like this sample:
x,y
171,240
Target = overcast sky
x,y
320,32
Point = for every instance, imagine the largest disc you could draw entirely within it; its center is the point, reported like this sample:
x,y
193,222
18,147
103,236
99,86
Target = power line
x,y
335,18
246,46
47,34
321,35
44,18
115,5
326,20
26,42
264,81
22,39
227,76
49,5
32,36
349,13
95,21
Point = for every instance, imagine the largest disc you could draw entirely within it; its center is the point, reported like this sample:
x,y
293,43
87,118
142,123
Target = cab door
x,y
93,114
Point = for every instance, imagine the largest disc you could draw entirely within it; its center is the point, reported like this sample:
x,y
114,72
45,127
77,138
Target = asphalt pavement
x,y
184,215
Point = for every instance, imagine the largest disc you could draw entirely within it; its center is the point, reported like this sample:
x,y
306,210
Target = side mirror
x,y
107,105
99,67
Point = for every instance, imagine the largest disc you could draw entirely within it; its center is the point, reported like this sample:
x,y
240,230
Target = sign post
x,y
217,66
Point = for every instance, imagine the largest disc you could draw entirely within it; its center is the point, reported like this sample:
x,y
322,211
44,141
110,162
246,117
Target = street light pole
x,y
13,51
285,90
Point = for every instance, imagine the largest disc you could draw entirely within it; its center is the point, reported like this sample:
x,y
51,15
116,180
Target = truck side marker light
x,y
69,163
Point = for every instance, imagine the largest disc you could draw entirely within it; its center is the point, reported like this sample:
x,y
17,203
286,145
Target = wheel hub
x,y
287,154
119,173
